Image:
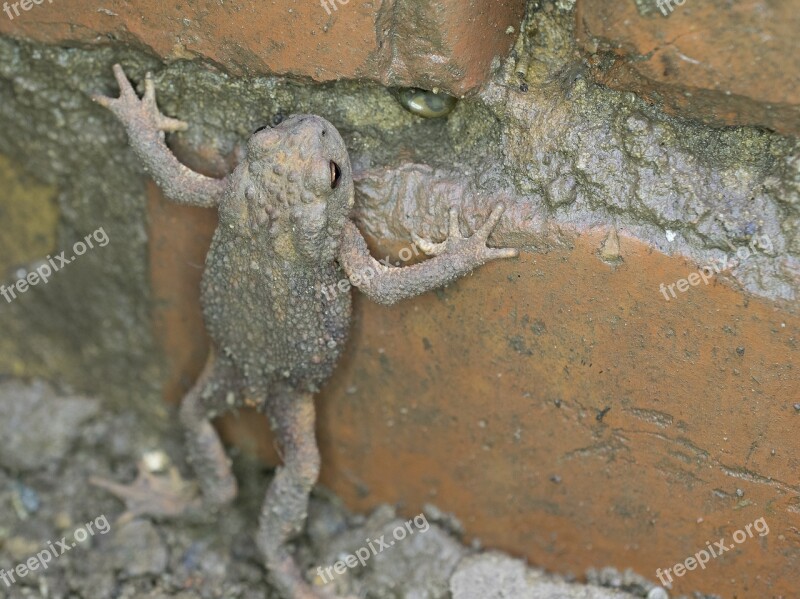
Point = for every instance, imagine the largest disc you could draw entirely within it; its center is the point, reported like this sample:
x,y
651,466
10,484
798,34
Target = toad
x,y
284,236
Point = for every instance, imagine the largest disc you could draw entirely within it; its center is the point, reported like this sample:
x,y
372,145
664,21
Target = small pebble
x,y
63,521
26,499
20,548
155,461
137,549
657,593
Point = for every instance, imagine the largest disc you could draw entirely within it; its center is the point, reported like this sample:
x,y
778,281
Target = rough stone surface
x,y
35,430
722,62
449,44
497,576
136,549
416,563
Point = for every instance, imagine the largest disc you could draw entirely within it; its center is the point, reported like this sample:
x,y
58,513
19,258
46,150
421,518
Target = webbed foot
x,y
158,495
132,111
457,245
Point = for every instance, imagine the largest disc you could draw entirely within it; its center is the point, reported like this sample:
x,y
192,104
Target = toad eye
x,y
336,174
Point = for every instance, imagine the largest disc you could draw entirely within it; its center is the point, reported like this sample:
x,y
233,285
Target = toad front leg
x,y
171,495
146,126
454,257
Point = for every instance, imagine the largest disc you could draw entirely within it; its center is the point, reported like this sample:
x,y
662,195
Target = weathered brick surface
x,y
561,407
727,63
444,43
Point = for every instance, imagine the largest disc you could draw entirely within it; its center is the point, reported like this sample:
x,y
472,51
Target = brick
x,y
440,43
726,63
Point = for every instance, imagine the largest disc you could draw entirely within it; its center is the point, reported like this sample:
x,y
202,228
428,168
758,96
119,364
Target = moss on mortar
x,y
29,217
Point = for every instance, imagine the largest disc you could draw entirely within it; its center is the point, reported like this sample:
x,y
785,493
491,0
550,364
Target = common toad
x,y
284,235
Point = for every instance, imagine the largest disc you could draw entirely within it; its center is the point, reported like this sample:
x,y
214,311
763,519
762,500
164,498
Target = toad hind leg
x,y
170,495
285,506
210,463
